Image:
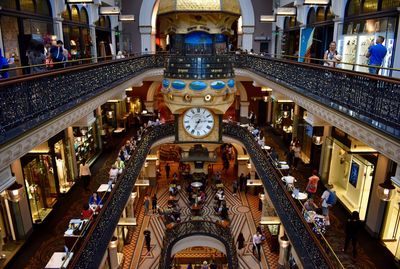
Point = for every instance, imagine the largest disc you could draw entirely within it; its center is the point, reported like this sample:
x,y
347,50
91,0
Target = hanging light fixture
x,y
110,114
248,164
285,114
386,190
317,140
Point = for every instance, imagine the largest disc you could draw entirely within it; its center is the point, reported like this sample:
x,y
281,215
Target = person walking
x,y
57,54
312,185
242,182
376,53
154,204
234,187
3,65
147,239
257,240
296,151
85,174
167,170
353,227
240,243
328,199
146,204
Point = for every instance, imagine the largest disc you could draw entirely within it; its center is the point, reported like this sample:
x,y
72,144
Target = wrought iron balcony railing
x,y
191,228
304,241
27,102
374,100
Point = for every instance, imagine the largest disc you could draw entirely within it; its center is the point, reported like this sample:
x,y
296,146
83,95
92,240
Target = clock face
x,y
198,121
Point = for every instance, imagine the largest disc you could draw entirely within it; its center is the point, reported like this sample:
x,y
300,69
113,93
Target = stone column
x,y
284,245
93,49
269,110
113,45
113,253
244,111
145,32
247,37
58,29
296,112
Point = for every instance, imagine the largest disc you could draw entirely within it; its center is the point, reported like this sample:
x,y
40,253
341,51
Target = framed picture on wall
x,y
353,178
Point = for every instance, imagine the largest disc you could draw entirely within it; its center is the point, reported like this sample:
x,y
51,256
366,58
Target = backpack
x,y
332,199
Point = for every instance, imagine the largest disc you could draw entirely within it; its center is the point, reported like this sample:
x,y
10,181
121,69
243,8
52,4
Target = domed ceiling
x,y
229,6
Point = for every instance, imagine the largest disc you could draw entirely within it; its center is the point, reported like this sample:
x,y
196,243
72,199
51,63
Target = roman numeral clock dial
x,y
198,122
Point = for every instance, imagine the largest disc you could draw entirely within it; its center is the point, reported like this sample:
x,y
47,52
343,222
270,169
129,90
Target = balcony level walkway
x,y
48,237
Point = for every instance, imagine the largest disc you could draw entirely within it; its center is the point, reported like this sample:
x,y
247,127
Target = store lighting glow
x,y
266,89
286,11
109,11
128,99
129,89
80,1
316,2
285,101
267,18
112,101
110,114
126,18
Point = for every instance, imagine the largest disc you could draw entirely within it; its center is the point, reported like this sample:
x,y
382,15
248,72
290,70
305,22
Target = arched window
x,y
390,4
66,14
84,16
286,23
329,14
311,16
370,6
353,8
27,5
43,7
104,22
75,14
320,14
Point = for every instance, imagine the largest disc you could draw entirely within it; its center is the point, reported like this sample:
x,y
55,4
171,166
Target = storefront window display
x,y
390,231
64,166
86,143
40,184
357,37
350,174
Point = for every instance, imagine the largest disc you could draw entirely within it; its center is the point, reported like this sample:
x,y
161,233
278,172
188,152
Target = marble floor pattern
x,y
241,215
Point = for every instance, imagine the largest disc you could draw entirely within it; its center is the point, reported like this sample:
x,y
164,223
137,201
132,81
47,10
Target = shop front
x,y
25,25
48,172
86,139
290,38
103,37
283,118
317,35
76,32
349,166
361,27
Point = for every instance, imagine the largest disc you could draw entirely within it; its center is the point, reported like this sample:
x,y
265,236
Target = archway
x,y
148,16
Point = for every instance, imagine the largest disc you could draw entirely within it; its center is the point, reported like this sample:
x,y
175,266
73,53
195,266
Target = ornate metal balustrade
x,y
307,246
303,239
191,228
370,99
27,102
99,235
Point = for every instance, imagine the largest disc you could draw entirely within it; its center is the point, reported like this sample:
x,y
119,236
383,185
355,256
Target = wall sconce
x,y
285,114
146,164
84,131
110,114
248,164
144,112
386,190
317,140
15,192
265,99
128,99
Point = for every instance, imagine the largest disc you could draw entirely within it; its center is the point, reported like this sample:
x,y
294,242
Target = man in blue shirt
x,y
376,54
